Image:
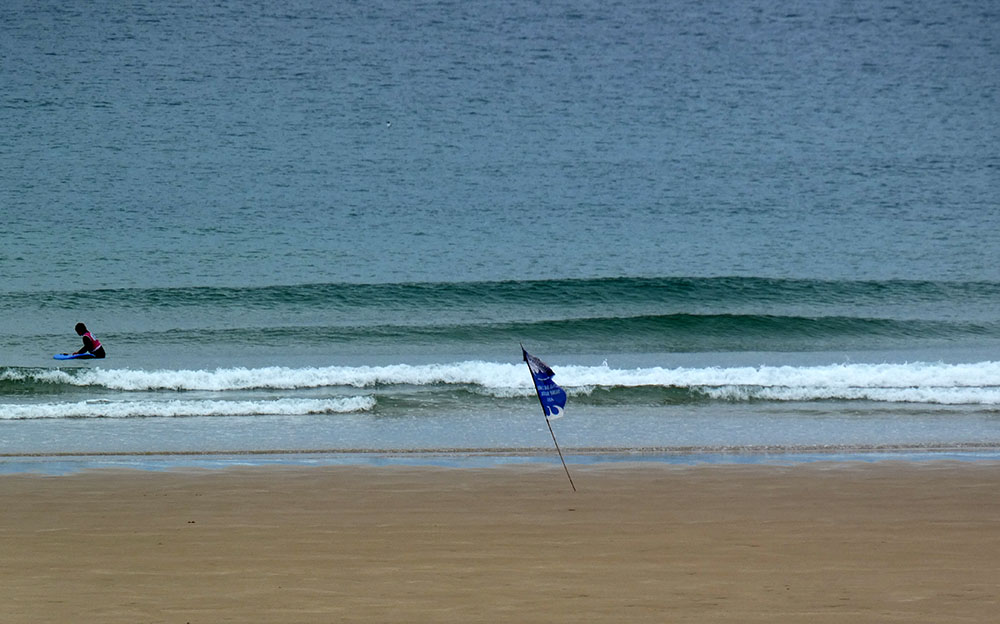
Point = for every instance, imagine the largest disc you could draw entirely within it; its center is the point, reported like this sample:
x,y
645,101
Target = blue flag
x,y
550,395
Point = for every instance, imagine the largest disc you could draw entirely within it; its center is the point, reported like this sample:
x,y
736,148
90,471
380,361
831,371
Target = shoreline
x,y
643,542
67,463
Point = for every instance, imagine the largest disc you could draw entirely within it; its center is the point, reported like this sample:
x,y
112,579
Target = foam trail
x,y
923,382
282,378
180,408
917,374
938,396
503,375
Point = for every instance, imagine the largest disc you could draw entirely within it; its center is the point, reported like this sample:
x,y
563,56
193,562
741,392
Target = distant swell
x,y
608,292
670,332
620,315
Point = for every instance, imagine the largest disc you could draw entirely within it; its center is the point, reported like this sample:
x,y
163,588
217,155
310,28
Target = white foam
x,y
282,378
918,381
940,396
919,374
181,408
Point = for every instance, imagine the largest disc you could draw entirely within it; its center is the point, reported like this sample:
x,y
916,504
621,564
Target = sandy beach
x,y
854,542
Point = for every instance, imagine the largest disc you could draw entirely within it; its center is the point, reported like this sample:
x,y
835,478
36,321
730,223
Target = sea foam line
x,y
281,378
931,395
513,377
182,408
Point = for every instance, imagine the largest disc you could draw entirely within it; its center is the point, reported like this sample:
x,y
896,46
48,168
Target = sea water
x,y
321,232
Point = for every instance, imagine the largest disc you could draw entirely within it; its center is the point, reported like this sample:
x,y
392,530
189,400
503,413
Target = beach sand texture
x,y
824,542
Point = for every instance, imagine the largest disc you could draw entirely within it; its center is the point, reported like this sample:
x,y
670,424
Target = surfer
x,y
91,345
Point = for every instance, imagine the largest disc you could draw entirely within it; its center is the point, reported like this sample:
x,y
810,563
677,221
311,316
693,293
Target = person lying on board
x,y
91,345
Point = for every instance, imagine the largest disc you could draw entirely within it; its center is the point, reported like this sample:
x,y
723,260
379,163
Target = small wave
x,y
282,378
605,292
915,374
922,382
181,408
938,396
680,314
622,332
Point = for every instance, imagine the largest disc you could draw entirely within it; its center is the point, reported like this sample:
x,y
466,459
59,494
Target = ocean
x,y
321,232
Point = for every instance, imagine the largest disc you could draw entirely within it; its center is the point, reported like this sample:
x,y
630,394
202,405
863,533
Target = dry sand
x,y
885,542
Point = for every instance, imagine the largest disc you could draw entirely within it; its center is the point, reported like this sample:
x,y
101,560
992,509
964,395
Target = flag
x,y
552,398
550,395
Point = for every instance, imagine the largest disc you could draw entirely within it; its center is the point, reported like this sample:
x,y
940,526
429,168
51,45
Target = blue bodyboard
x,y
73,356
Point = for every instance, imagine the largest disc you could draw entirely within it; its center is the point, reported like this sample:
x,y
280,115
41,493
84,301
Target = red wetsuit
x,y
92,345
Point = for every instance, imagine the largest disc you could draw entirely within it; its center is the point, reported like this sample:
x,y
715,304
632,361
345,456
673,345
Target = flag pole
x,y
551,432
558,450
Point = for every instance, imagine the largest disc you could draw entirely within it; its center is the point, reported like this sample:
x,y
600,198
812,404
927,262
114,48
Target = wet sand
x,y
882,542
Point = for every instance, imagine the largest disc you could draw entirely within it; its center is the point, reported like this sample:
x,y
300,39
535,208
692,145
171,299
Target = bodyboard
x,y
73,356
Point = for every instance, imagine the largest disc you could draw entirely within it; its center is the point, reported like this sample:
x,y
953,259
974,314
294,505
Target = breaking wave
x,y
916,382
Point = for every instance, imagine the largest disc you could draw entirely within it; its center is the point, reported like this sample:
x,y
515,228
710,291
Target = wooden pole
x,y
558,450
544,415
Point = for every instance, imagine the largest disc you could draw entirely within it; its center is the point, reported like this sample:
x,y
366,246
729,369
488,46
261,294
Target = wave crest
x,y
919,382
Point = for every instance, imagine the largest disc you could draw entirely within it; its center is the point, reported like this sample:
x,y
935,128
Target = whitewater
x,y
913,383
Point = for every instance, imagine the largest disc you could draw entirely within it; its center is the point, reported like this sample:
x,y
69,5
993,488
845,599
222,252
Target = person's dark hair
x,y
81,328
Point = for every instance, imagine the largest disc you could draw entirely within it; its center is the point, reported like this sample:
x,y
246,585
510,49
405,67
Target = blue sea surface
x,y
328,228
